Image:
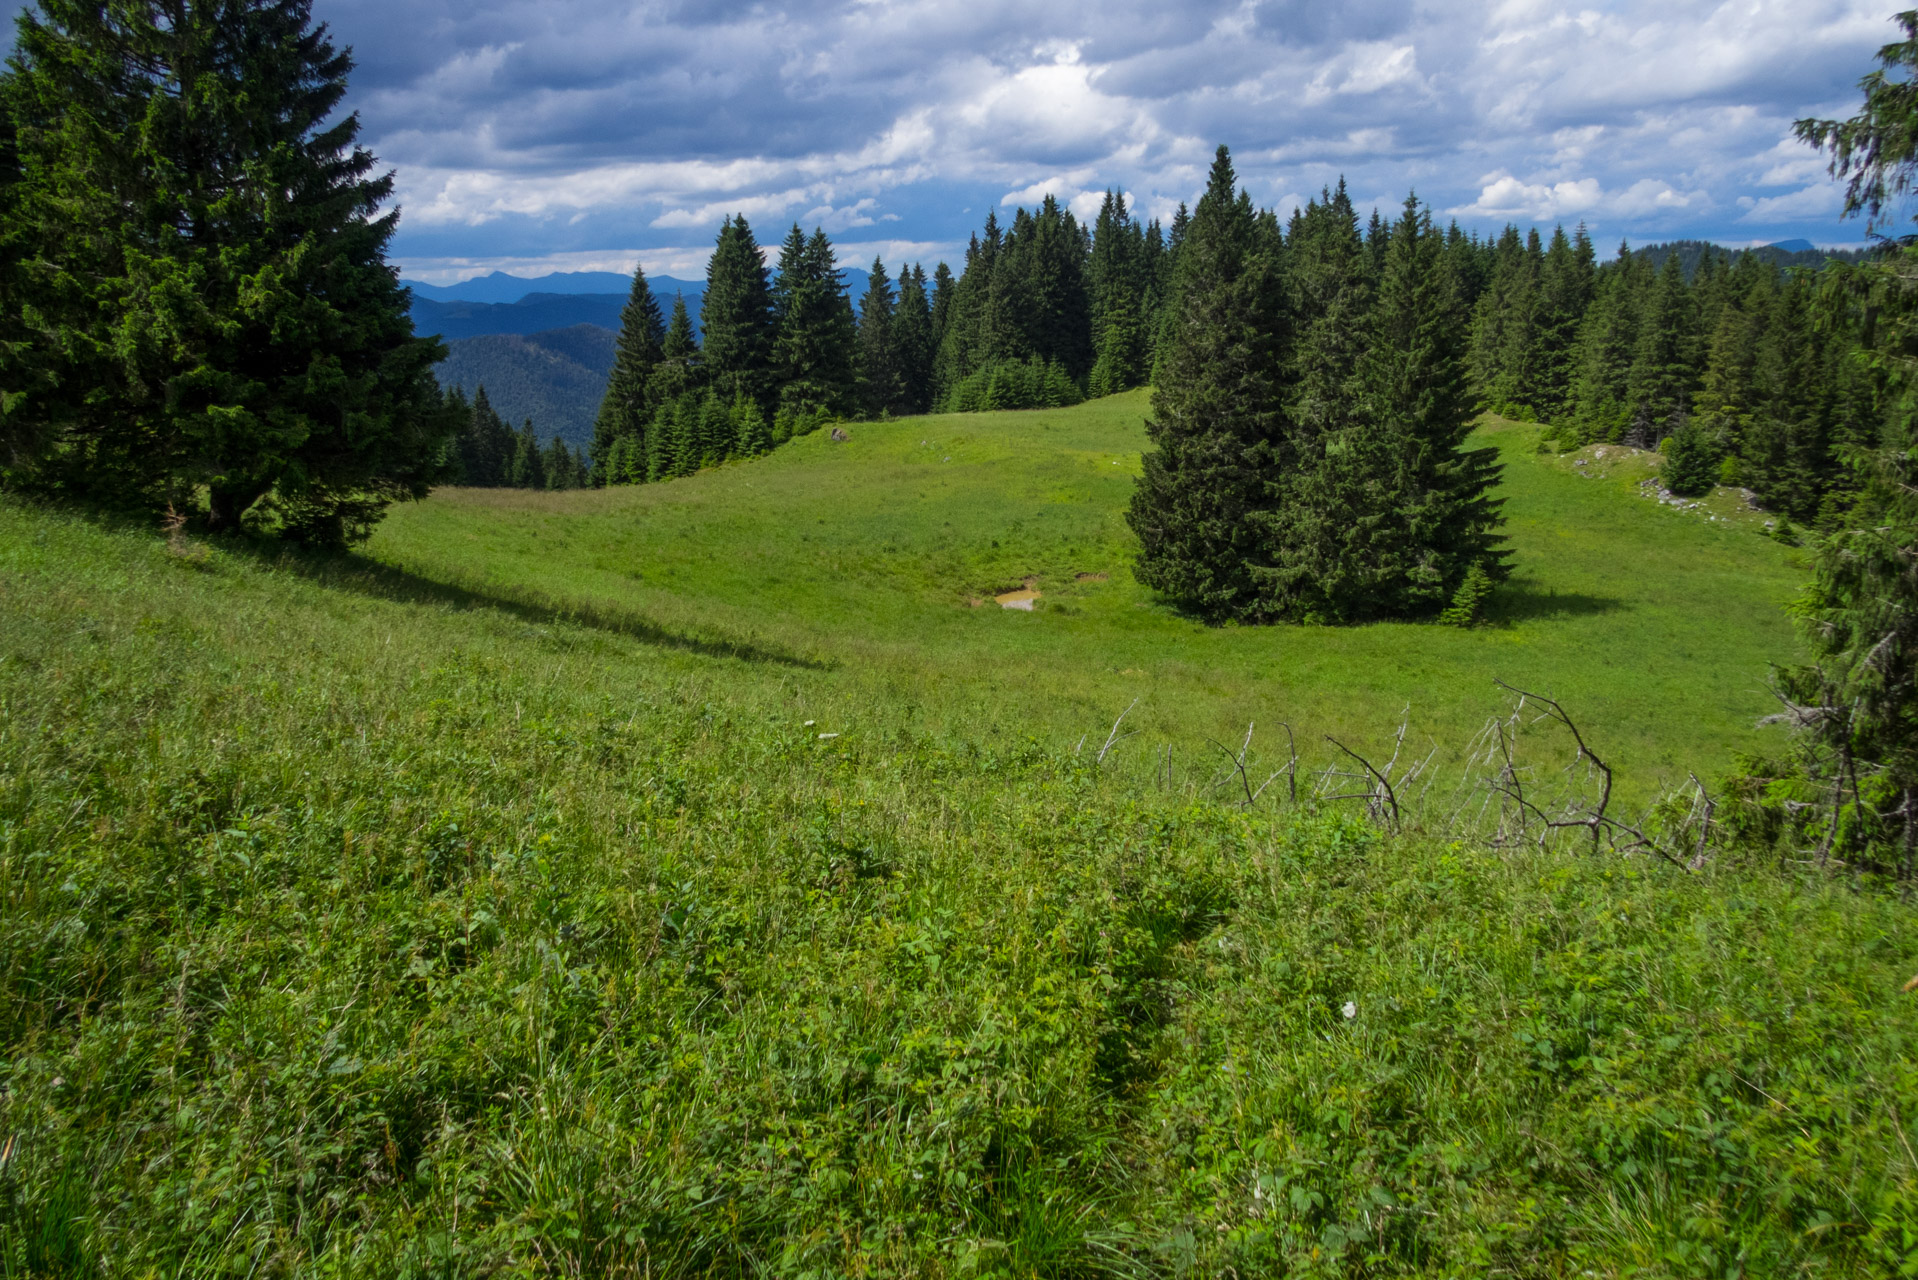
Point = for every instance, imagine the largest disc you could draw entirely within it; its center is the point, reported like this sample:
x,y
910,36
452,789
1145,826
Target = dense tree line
x,y
488,454
1312,402
1724,368
1044,313
197,309
1848,795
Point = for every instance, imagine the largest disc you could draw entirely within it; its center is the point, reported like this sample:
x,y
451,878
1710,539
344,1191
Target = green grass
x,y
1654,627
357,922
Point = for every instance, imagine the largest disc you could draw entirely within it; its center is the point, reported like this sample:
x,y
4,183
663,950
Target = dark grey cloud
x,y
563,129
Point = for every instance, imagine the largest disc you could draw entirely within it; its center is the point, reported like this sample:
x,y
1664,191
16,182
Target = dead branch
x,y
1113,738
1705,828
1384,787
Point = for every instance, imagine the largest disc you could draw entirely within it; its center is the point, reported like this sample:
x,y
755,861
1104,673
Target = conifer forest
x,y
1299,739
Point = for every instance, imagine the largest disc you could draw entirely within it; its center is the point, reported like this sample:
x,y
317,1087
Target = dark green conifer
x,y
814,356
1564,295
913,341
735,317
1690,468
1665,364
1418,398
750,429
485,446
679,369
528,468
717,434
626,407
881,383
942,284
1602,359
215,315
1218,411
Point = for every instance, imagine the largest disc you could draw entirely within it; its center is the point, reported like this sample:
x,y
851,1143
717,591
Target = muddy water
x,y
1021,599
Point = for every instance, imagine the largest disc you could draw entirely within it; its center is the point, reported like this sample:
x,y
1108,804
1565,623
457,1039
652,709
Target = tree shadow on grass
x,y
356,573
1526,601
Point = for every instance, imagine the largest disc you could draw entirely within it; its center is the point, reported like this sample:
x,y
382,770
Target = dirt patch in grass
x,y
1020,599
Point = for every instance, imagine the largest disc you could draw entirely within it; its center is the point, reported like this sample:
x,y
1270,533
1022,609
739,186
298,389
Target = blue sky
x,y
536,135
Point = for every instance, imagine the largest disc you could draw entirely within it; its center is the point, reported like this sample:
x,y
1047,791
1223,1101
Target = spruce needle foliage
x,y
1218,411
209,317
627,406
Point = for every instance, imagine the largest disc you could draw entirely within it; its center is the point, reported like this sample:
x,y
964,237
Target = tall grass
x,y
355,926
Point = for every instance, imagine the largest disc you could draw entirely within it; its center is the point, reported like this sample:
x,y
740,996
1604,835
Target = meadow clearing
x,y
870,567
494,903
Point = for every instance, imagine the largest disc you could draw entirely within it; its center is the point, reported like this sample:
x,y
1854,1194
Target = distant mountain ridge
x,y
500,303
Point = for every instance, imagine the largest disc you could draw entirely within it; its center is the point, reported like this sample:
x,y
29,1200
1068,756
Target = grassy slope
x,y
348,928
1655,627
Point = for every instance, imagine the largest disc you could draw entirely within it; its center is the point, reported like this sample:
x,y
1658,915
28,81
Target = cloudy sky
x,y
536,135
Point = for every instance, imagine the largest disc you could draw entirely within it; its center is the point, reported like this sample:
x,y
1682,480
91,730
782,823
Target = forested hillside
x,y
556,378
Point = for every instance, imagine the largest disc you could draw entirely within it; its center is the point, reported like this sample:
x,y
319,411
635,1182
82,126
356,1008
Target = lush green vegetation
x,y
869,556
500,903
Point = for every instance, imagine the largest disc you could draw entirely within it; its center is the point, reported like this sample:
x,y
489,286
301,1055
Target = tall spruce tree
x,y
1564,295
1218,410
1119,280
216,306
1379,511
627,406
1418,397
1601,404
814,360
735,316
1322,500
1665,365
913,341
881,381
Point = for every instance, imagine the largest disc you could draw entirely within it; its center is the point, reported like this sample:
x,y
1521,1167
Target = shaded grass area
x,y
1654,627
350,926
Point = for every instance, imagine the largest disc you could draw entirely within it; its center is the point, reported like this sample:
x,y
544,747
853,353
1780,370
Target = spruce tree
x,y
942,285
1119,280
1218,411
1380,511
1062,303
1665,365
1602,359
881,384
750,428
913,341
1417,396
216,315
1323,504
1564,295
485,445
735,317
626,407
718,437
1691,464
528,468
679,369
814,361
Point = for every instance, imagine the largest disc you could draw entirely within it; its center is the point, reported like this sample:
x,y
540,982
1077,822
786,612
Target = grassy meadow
x,y
869,560
493,903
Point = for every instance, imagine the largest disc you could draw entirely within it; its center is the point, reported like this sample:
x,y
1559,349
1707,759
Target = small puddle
x,y
1021,599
